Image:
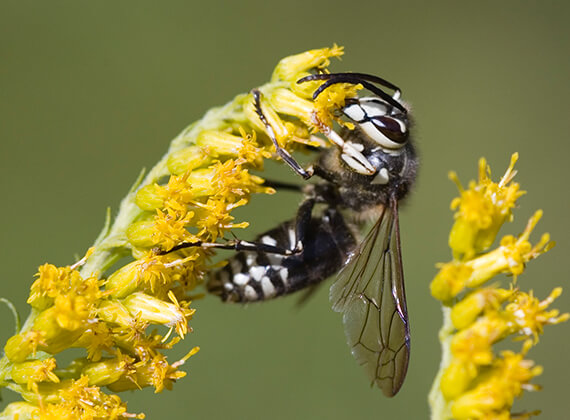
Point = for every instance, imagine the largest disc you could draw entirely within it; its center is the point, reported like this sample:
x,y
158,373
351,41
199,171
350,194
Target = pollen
x,y
170,228
97,338
482,209
76,399
30,373
332,99
153,310
506,380
249,150
475,380
127,301
530,315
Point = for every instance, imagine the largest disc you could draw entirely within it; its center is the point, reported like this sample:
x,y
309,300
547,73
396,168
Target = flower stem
x,y
112,243
438,406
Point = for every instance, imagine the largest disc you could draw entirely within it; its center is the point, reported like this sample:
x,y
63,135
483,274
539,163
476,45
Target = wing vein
x,y
369,292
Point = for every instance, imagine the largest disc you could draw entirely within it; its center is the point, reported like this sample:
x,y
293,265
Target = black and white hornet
x,y
362,179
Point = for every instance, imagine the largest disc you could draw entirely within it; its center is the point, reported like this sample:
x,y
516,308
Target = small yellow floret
x,y
20,346
466,311
96,339
482,210
456,378
31,372
290,67
170,230
75,399
188,159
157,311
496,392
286,102
110,370
450,280
530,315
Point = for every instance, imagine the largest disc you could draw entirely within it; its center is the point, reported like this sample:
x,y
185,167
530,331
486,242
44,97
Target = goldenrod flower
x,y
30,373
107,308
475,381
482,209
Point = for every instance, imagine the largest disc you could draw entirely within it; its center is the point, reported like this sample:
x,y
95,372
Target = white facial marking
x,y
355,159
335,138
354,164
241,279
267,287
257,272
250,293
359,147
228,286
355,112
382,177
374,109
268,240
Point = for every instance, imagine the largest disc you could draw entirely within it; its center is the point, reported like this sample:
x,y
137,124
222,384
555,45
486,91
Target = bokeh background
x,y
90,92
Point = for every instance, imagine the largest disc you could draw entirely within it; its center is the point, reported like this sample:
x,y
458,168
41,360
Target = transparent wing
x,y
369,292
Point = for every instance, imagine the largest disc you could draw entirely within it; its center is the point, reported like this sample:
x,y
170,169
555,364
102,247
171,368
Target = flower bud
x,y
286,102
114,312
62,325
34,371
154,310
290,67
456,378
20,346
450,281
125,280
140,234
148,197
21,411
187,159
220,142
107,371
466,311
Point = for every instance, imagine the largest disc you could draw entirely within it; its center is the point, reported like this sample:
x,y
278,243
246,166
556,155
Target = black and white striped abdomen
x,y
251,276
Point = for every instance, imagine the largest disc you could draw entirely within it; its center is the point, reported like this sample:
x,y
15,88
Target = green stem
x,y
112,243
438,405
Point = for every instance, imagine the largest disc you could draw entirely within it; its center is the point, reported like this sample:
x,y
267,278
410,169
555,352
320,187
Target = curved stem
x,y
438,405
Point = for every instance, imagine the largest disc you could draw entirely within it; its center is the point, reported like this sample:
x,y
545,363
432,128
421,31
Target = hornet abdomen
x,y
253,276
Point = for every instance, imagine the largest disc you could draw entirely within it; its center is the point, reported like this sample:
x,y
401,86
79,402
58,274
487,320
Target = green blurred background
x,y
90,92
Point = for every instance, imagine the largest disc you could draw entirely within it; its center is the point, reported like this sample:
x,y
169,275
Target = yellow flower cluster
x,y
106,304
474,381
